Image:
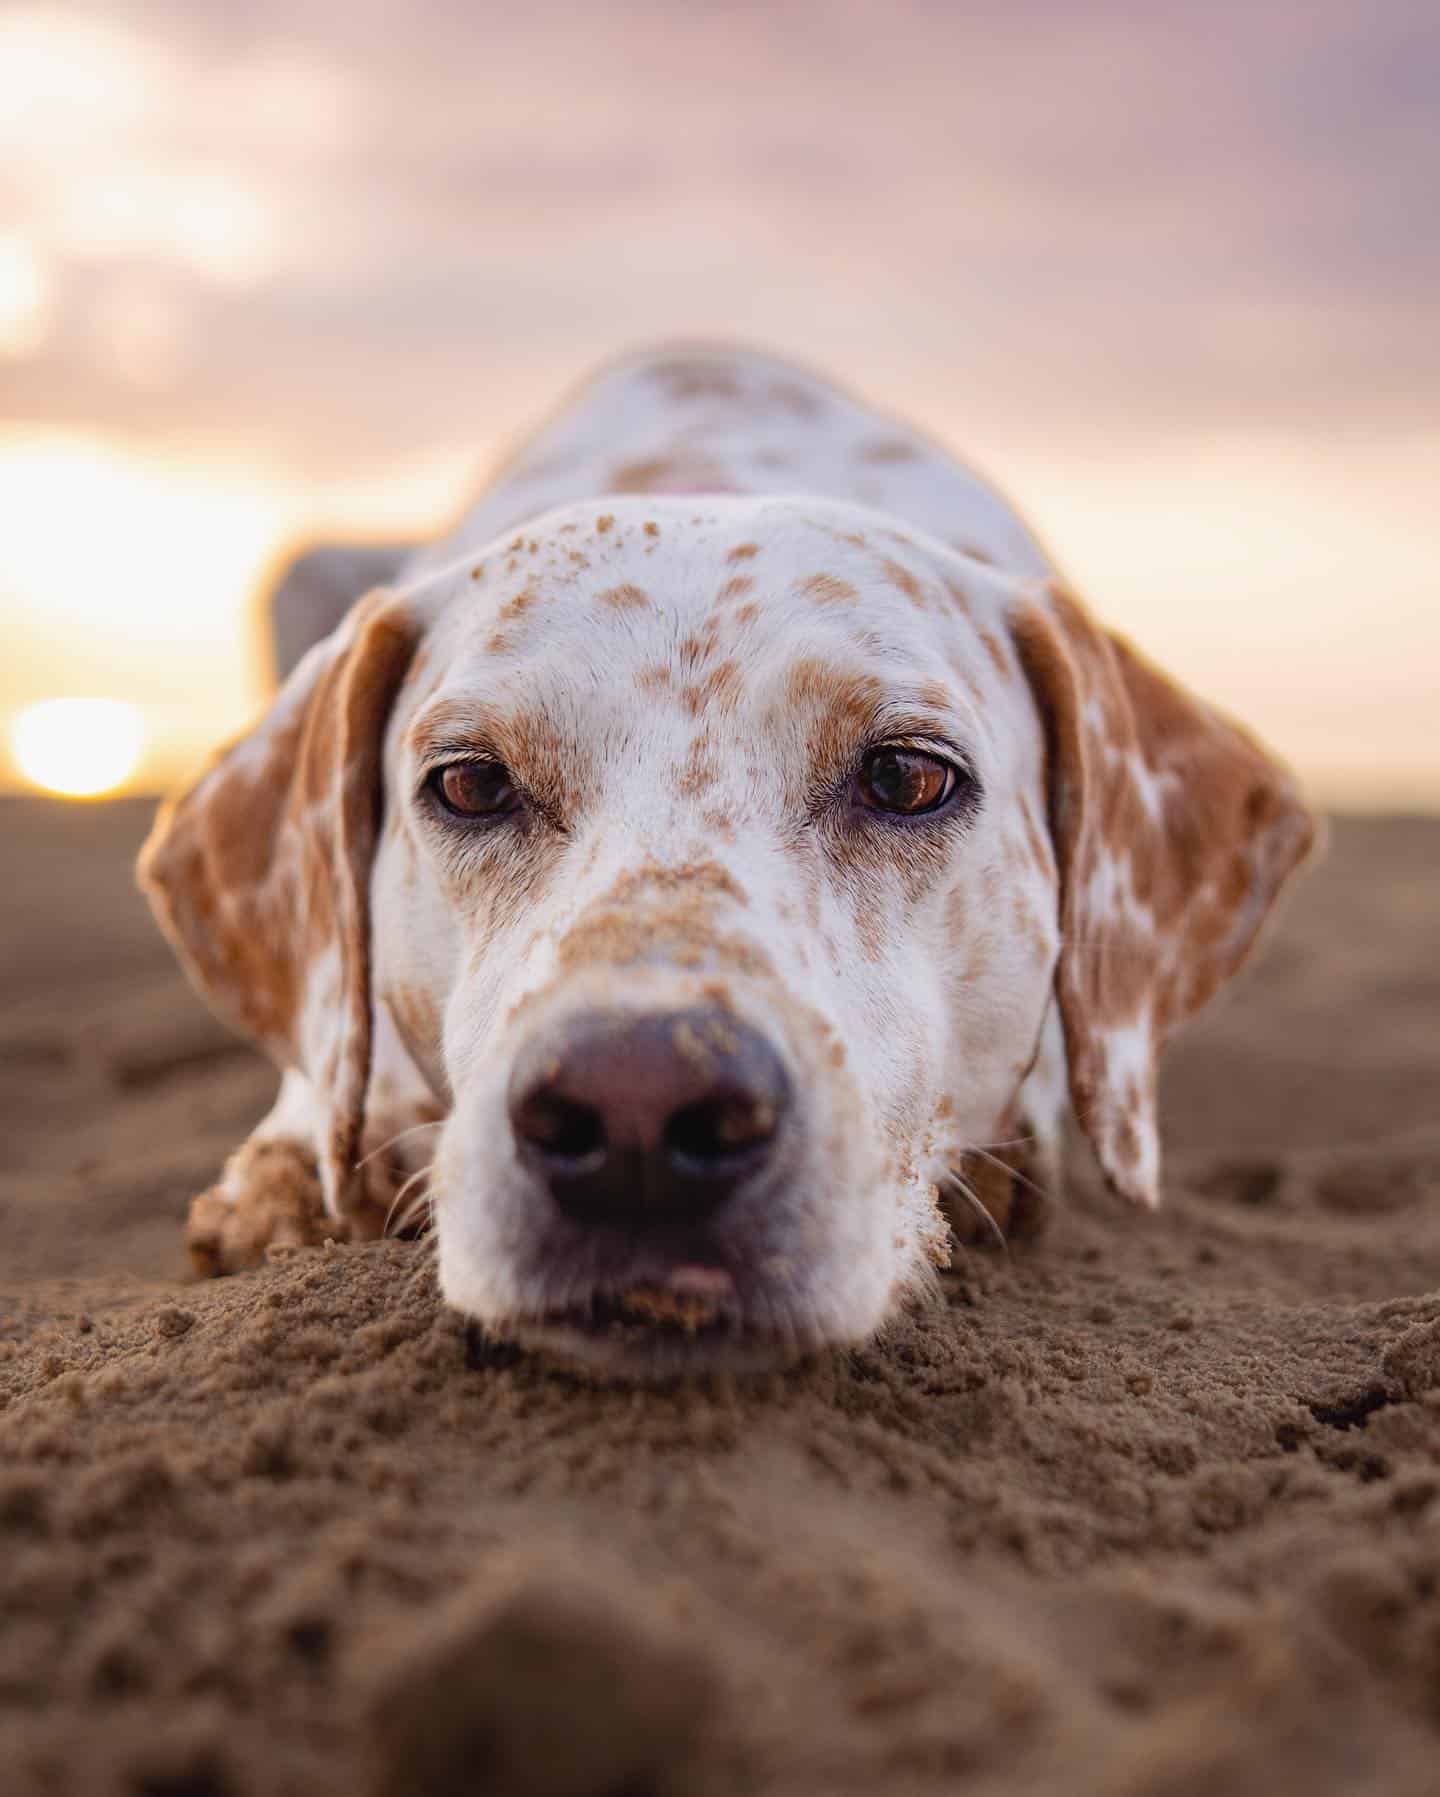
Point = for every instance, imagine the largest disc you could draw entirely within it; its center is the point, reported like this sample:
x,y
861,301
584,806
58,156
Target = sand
x,y
1151,1507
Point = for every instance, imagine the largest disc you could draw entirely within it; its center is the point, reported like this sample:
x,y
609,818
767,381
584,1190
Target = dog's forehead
x,y
620,613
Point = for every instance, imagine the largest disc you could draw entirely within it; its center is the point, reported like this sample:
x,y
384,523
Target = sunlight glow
x,y
25,298
80,748
206,219
67,78
138,573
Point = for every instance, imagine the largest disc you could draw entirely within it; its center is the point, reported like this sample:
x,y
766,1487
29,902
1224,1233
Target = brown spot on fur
x,y
682,934
719,823
995,651
720,687
743,552
812,683
517,606
625,598
684,379
748,613
697,772
652,529
688,877
696,650
900,576
870,932
736,587
791,396
887,449
606,521
666,911
827,589
654,677
640,477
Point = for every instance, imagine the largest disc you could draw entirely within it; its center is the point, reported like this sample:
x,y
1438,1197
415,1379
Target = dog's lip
x,y
691,1317
690,1299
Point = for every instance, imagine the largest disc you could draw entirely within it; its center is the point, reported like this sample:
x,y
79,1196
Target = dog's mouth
x,y
689,1319
655,1307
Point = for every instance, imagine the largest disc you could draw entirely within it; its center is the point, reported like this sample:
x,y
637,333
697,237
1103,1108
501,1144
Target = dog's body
x,y
719,841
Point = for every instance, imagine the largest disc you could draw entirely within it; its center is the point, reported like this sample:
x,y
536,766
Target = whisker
x,y
414,1179
955,1181
1005,1167
413,1130
1013,1142
423,1201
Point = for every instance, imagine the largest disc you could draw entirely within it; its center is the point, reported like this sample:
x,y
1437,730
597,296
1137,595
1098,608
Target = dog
x,y
723,859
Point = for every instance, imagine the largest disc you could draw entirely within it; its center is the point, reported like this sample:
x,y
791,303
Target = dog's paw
x,y
269,1196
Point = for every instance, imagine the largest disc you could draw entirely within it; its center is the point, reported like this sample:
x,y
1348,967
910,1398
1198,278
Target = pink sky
x,y
1169,273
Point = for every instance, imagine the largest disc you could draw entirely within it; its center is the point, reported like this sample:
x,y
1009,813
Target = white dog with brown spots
x,y
687,873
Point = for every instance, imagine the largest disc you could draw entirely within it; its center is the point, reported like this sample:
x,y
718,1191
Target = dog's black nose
x,y
634,1119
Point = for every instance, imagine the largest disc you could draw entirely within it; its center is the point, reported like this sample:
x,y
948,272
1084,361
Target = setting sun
x,y
79,747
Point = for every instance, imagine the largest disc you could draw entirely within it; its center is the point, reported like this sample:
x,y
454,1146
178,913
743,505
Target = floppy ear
x,y
260,873
1174,832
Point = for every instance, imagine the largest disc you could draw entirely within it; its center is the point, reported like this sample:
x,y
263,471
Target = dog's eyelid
x,y
437,752
926,741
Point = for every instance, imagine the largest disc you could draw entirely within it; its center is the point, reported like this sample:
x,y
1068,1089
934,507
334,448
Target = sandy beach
x,y
1148,1509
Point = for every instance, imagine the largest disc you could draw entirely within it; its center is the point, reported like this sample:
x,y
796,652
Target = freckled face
x,y
754,754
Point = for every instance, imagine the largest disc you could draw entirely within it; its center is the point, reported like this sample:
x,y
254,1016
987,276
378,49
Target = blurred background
x,y
1170,275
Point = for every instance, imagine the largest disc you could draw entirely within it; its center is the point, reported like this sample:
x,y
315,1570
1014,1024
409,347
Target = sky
x,y
1169,273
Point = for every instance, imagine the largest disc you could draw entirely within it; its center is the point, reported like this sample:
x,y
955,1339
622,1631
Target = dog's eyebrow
x,y
454,727
850,705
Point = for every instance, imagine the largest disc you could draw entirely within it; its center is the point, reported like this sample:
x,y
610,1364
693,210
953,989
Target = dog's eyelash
x,y
960,808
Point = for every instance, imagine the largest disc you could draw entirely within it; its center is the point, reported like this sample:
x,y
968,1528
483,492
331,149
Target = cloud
x,y
1098,223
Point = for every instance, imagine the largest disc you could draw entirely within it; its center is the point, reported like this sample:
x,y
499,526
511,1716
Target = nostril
x,y
567,1133
711,1136
639,1120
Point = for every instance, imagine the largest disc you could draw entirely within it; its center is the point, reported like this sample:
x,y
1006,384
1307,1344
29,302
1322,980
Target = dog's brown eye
x,y
475,788
905,780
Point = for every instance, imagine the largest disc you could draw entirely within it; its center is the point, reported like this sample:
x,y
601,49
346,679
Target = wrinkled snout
x,y
637,1120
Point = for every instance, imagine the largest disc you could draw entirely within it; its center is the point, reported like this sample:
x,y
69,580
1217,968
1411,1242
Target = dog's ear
x,y
260,873
1174,832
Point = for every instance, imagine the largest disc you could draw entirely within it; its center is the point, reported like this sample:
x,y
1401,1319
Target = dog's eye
x,y
905,781
475,788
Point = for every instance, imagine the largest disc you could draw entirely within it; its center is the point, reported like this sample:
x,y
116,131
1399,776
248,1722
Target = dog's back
x,y
714,420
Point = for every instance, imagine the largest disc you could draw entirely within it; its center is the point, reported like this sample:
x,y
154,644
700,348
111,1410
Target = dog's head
x,y
718,862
